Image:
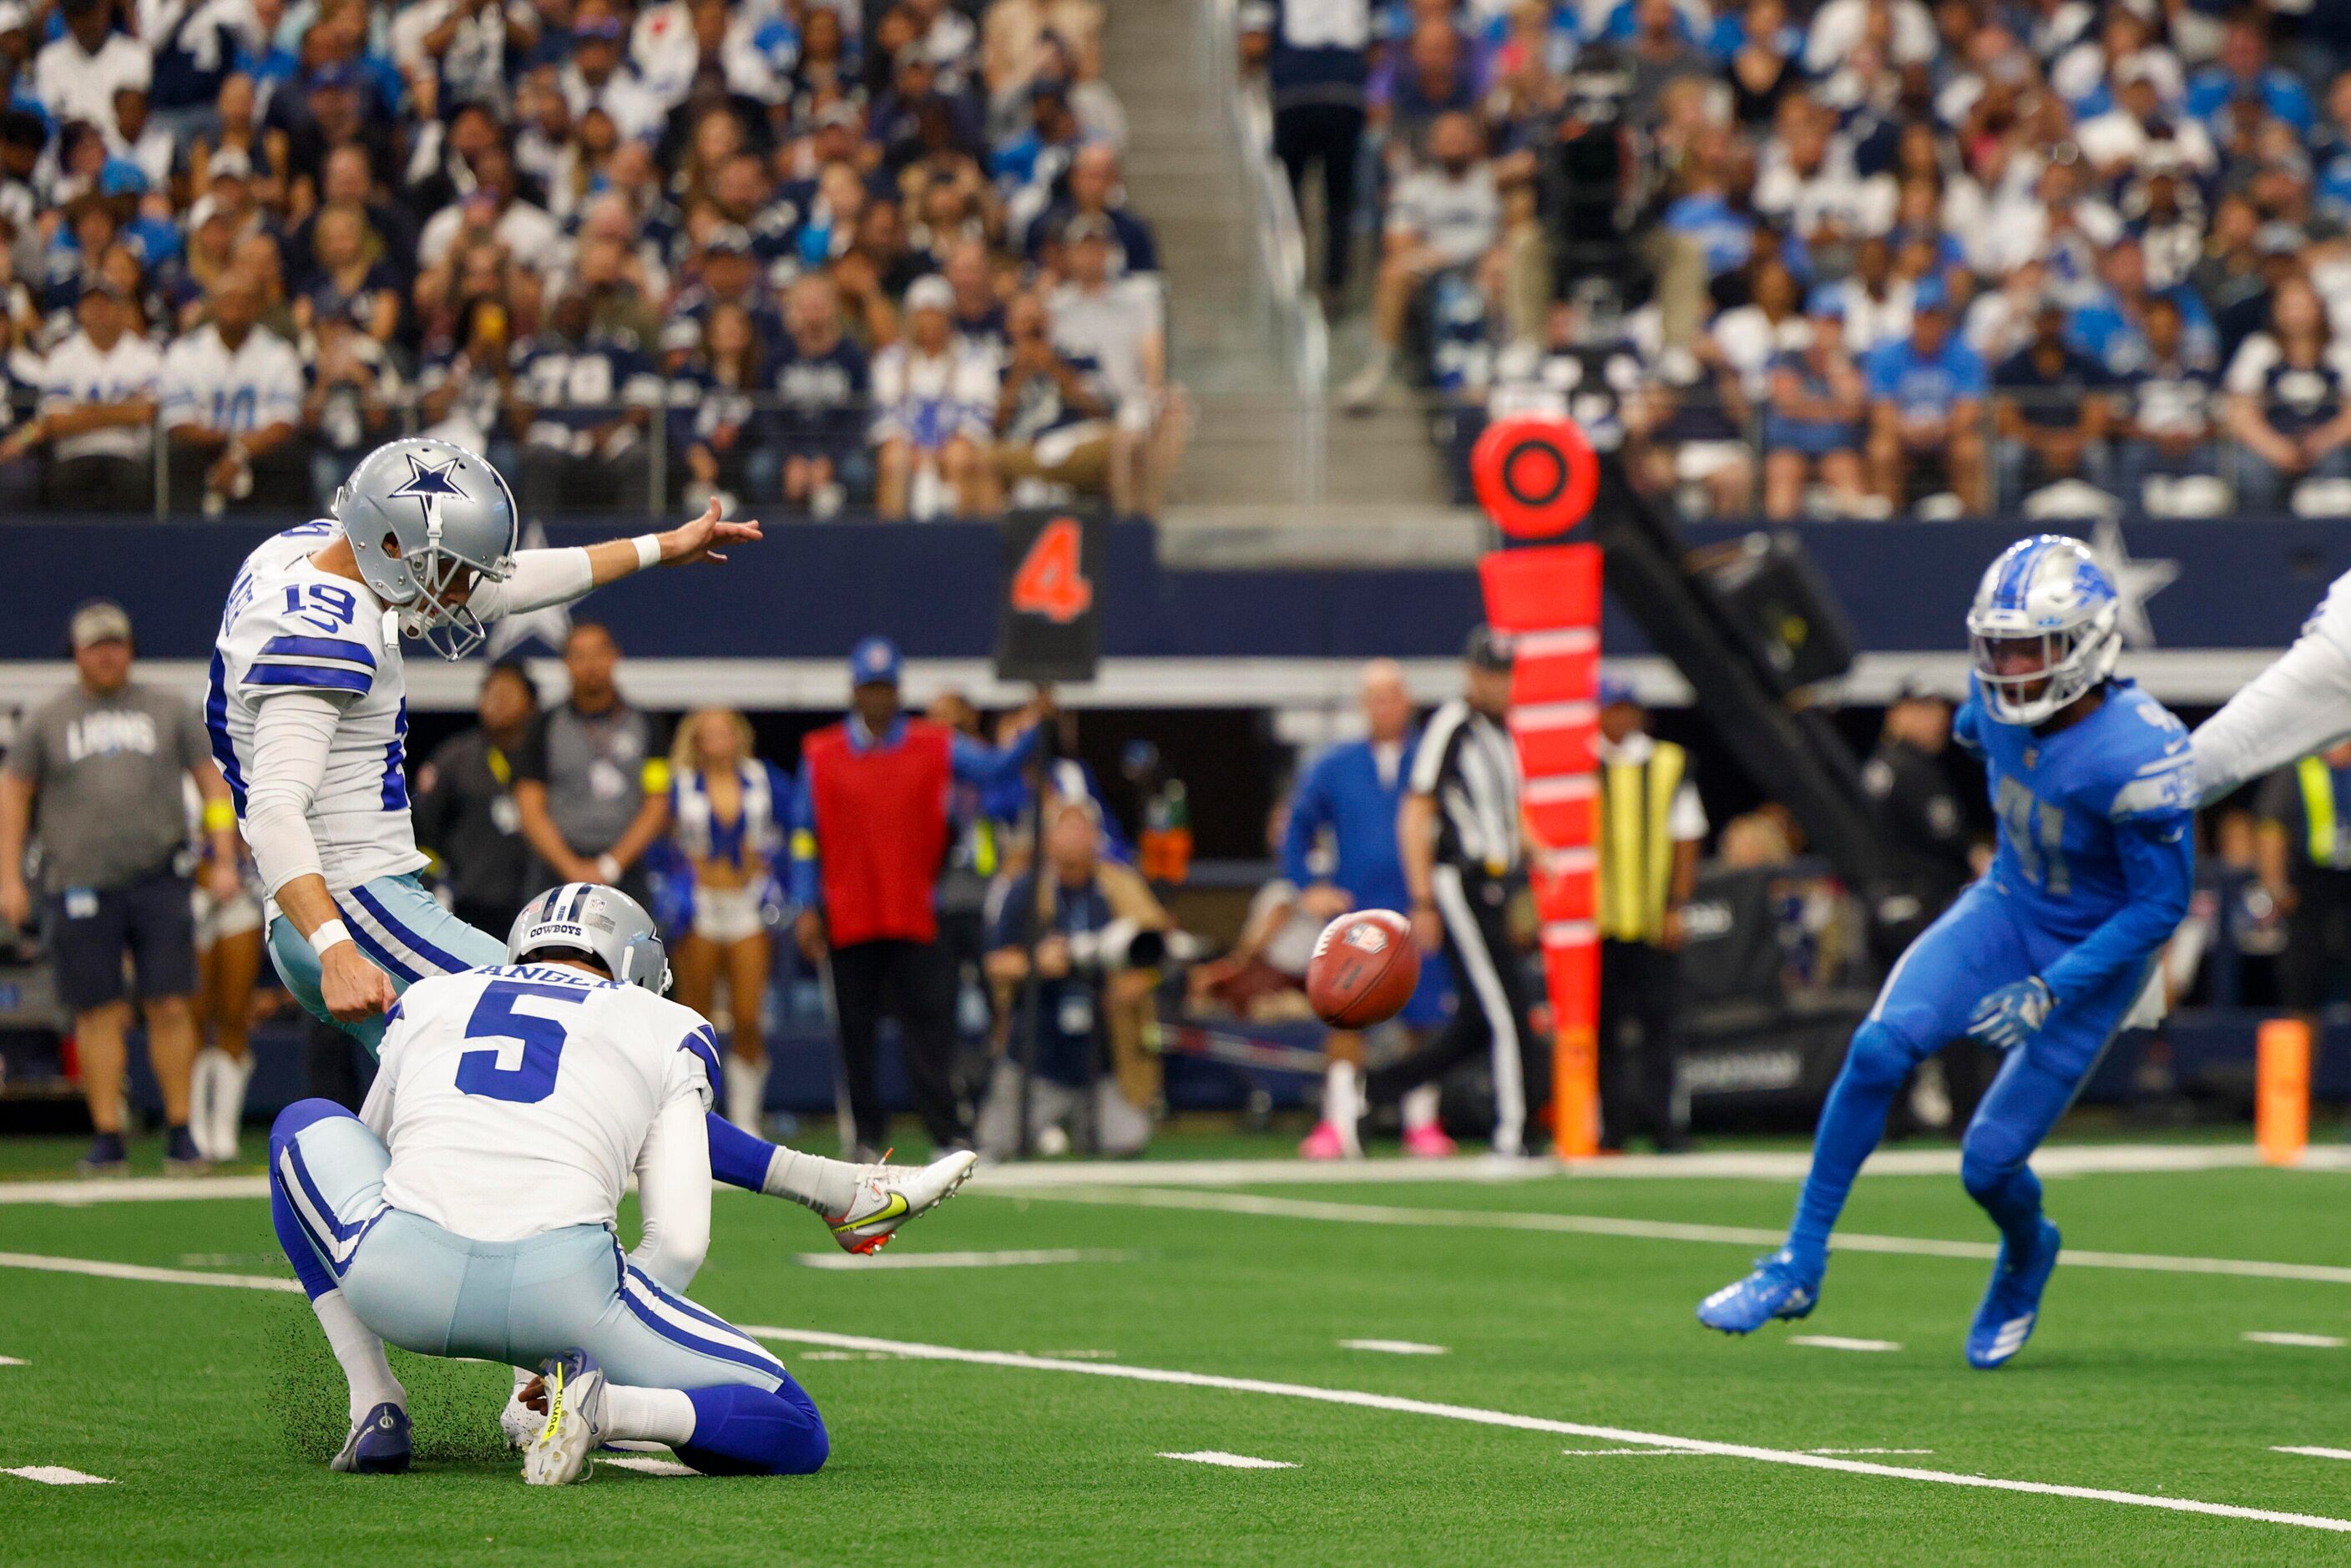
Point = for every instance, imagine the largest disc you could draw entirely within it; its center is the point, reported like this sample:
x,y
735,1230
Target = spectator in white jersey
x,y
1444,217
98,411
1120,325
933,402
232,399
76,75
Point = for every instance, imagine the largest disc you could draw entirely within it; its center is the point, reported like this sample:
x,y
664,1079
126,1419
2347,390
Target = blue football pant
x,y
430,1291
1978,946
407,934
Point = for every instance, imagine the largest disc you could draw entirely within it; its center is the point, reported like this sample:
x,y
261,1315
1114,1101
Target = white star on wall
x,y
2135,581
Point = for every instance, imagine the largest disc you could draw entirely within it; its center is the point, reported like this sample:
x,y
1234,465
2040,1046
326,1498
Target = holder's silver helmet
x,y
428,520
2044,628
602,922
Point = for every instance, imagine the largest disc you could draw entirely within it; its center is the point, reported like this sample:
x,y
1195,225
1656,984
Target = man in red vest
x,y
871,839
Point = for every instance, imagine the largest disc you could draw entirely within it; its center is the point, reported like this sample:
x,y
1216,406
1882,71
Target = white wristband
x,y
327,935
607,868
648,551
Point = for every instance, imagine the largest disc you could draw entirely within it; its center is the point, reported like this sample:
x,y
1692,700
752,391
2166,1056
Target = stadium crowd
x,y
1846,258
814,252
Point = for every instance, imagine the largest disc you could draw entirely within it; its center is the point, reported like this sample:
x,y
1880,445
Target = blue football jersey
x,y
2093,817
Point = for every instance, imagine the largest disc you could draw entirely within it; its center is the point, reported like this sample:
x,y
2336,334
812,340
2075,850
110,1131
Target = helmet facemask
x,y
2027,676
439,616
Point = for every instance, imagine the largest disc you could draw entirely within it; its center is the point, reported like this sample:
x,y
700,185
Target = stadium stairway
x,y
1272,474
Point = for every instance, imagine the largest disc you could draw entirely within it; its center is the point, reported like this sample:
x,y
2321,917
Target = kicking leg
x,y
326,1186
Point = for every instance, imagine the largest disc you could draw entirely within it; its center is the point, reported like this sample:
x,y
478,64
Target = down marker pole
x,y
1537,479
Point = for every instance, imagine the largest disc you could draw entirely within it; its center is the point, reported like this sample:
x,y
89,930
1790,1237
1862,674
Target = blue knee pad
x,y
739,1430
308,1267
1879,1058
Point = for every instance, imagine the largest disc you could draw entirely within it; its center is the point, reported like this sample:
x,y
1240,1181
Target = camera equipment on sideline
x,y
1124,944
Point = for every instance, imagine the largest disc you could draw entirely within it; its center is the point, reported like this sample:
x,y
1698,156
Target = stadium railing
x,y
1667,453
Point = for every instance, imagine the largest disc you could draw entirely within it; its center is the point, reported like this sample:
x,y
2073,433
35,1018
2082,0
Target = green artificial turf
x,y
211,1409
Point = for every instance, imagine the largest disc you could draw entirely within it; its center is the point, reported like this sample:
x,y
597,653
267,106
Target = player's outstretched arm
x,y
2300,705
545,577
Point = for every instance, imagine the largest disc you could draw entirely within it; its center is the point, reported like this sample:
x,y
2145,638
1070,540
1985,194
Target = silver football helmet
x,y
2044,628
428,521
601,921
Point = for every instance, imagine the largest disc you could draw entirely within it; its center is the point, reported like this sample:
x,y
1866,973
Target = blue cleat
x,y
1780,1288
2011,1304
378,1445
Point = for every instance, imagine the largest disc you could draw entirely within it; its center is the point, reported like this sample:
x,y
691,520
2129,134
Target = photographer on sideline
x,y
1099,936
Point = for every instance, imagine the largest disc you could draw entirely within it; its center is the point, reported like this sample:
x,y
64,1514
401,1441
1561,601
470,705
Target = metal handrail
x,y
1279,243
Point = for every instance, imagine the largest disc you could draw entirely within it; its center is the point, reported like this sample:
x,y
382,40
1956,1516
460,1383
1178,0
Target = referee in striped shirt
x,y
1457,834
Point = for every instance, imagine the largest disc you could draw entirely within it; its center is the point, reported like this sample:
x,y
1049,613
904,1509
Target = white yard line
x,y
1647,1230
106,1270
2308,1340
57,1476
1003,1259
1839,1342
1475,1415
13,1361
1637,1453
1231,1461
2083,1159
137,1189
1393,1346
2313,1453
1343,1396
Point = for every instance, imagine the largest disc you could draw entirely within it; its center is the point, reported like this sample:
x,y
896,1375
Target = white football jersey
x,y
516,1099
290,627
2332,618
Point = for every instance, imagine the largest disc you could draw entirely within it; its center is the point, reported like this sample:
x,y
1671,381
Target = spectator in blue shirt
x,y
1926,395
2051,411
2245,70
1723,233
2111,325
1813,422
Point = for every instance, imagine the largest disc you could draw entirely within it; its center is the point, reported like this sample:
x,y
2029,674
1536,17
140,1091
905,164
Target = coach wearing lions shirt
x,y
1457,834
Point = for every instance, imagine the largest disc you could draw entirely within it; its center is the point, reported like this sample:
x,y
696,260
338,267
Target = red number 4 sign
x,y
1052,581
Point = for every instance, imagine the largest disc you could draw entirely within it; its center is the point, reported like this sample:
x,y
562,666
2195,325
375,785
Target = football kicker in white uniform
x,y
469,1208
307,708
2300,705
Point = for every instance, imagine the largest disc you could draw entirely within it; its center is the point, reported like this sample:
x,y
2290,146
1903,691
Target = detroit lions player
x,y
469,1208
2094,785
307,710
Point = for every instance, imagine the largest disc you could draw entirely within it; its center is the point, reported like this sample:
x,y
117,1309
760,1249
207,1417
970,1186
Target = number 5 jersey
x,y
516,1098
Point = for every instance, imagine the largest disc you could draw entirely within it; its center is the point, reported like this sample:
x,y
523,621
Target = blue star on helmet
x,y
427,481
